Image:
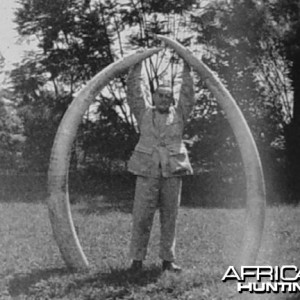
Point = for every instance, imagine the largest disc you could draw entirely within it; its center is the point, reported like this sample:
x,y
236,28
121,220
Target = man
x,y
159,160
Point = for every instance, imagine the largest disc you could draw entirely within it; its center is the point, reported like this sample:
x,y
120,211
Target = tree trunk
x,y
293,137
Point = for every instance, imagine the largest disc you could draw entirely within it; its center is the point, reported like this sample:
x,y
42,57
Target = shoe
x,y
170,266
136,266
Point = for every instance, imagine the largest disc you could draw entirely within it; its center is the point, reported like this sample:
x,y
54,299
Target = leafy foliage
x,y
77,39
241,45
286,17
11,135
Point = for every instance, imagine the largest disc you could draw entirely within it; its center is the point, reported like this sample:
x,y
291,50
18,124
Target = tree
x,y
11,135
240,43
286,17
74,45
77,39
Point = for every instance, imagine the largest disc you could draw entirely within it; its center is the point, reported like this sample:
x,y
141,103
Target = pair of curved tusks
x,y
58,196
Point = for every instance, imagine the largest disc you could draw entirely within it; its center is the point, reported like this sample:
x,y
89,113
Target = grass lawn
x,y
208,241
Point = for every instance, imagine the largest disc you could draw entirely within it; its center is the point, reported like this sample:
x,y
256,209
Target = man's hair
x,y
165,89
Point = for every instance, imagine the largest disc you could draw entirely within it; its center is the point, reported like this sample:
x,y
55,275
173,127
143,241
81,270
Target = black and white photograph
x,y
150,150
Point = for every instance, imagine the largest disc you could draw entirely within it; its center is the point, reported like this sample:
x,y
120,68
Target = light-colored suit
x,y
159,160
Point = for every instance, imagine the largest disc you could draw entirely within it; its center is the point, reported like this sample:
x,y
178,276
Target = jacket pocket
x,y
176,149
141,163
143,149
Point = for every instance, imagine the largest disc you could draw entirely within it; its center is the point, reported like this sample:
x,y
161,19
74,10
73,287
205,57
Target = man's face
x,y
163,99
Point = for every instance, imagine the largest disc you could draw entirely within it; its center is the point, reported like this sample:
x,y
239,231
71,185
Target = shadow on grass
x,y
121,277
120,280
118,283
105,208
294,297
21,283
126,277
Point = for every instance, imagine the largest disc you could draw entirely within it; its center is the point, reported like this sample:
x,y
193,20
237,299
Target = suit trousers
x,y
151,193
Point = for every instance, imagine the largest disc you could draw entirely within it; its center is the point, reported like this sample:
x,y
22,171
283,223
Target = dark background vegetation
x,y
253,46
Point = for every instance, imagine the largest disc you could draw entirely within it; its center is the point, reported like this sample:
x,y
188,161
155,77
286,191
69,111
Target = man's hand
x,y
141,50
138,65
186,67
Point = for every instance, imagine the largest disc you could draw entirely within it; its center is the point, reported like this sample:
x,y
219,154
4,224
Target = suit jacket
x,y
160,150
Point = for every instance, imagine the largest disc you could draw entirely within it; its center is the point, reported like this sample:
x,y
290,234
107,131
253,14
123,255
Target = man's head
x,y
163,99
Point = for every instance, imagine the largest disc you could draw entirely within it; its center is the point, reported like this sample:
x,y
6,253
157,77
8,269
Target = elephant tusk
x,y
256,199
58,194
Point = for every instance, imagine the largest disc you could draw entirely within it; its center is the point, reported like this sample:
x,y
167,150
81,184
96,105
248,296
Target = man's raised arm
x,y
187,94
135,95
